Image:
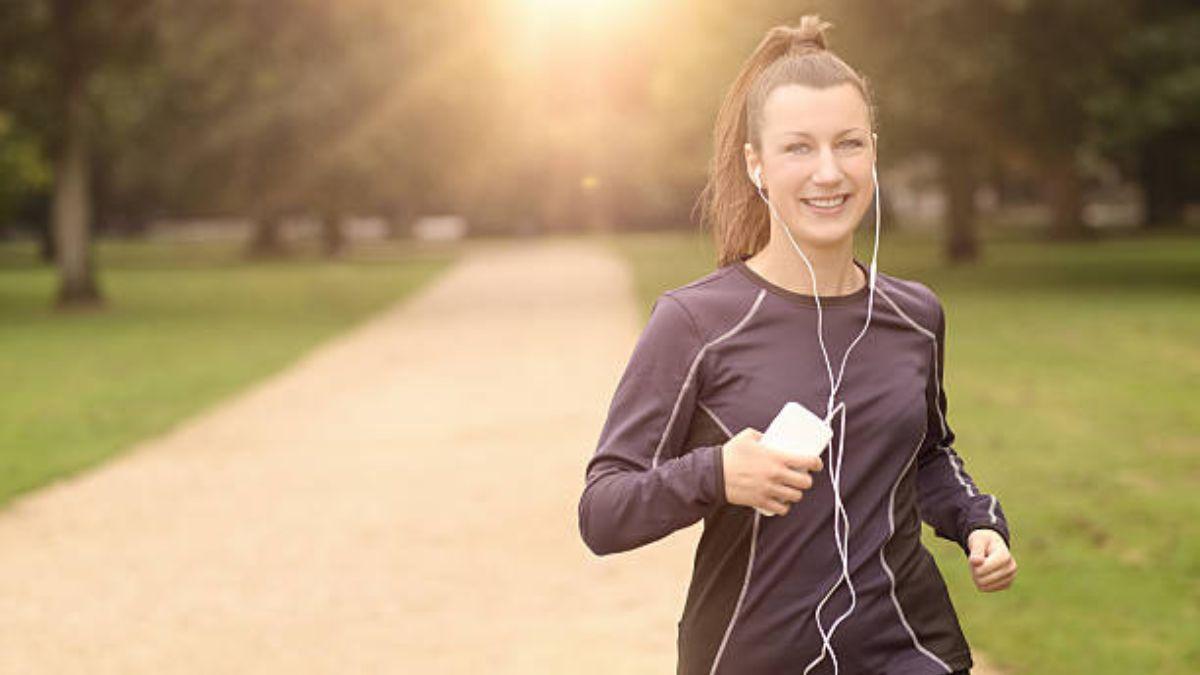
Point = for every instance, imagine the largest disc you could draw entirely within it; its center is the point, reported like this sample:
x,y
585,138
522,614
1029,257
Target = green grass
x,y
184,327
1072,375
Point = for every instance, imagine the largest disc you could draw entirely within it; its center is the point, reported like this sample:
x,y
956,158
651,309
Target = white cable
x,y
842,540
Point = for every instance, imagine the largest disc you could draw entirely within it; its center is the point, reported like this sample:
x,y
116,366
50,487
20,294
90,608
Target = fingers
x,y
998,585
996,559
990,564
1000,580
788,485
999,577
784,493
795,480
775,506
780,496
781,481
803,462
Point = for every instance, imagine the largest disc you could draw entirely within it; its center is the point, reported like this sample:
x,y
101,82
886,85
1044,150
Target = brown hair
x,y
730,204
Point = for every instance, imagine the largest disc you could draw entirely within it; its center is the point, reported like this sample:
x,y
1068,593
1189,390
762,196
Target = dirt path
x,y
402,500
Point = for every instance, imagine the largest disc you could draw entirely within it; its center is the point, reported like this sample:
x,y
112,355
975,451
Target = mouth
x,y
827,206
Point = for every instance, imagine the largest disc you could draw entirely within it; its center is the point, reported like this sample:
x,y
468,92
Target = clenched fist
x,y
992,566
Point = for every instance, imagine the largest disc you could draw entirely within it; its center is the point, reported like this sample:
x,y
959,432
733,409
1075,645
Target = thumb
x,y
978,553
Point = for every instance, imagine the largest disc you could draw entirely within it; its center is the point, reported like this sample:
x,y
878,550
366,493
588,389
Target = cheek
x,y
864,185
860,173
790,179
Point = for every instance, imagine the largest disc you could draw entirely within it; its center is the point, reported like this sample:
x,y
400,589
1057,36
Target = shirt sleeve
x,y
641,485
949,499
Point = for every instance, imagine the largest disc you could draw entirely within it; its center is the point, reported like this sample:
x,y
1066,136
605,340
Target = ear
x,y
752,162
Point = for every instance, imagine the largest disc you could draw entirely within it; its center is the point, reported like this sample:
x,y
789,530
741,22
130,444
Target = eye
x,y
853,143
797,146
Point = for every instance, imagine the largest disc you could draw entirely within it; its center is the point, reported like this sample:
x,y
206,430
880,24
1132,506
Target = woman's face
x,y
816,143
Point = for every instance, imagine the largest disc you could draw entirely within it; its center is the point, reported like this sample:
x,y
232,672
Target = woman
x,y
837,580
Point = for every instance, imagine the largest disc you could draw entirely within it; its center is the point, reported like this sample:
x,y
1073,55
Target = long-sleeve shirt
x,y
726,352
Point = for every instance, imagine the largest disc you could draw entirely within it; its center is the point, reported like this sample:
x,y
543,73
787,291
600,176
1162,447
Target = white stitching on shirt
x,y
937,405
754,532
737,608
692,372
942,422
891,577
714,417
891,509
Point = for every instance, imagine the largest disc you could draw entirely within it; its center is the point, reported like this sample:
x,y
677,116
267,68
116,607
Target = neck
x,y
834,267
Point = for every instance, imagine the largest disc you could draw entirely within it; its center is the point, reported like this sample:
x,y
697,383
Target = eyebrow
x,y
843,132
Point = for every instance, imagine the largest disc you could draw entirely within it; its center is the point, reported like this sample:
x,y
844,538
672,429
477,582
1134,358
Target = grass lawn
x,y
186,326
1072,375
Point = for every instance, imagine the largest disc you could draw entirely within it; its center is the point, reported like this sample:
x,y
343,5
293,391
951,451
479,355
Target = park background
x,y
193,195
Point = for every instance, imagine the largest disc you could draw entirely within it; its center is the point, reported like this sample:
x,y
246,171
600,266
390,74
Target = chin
x,y
823,235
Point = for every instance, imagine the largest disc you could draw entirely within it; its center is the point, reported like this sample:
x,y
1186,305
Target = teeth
x,y
827,203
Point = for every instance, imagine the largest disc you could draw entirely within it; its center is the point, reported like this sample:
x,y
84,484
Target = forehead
x,y
818,112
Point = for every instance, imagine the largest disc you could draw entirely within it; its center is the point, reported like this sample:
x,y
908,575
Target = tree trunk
x,y
71,210
333,238
1159,170
47,251
959,182
1065,196
400,220
267,240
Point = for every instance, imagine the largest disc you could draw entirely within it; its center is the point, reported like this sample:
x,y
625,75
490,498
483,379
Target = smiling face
x,y
815,145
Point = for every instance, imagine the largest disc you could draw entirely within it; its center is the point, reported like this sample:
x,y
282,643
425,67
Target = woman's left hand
x,y
992,566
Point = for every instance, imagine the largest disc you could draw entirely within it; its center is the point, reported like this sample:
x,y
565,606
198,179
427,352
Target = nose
x,y
828,171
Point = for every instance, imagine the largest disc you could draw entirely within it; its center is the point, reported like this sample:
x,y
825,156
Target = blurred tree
x,y
567,116
324,109
1059,53
25,78
699,47
58,50
24,172
1147,115
995,87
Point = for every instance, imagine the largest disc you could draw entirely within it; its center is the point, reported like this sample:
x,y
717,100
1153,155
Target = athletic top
x,y
726,352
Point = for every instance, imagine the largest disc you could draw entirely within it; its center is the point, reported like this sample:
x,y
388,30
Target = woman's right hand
x,y
764,478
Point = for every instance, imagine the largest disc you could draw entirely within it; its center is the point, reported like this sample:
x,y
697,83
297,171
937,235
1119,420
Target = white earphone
x,y
841,538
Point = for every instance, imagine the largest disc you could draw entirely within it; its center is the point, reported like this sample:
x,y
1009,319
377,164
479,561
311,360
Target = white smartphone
x,y
797,430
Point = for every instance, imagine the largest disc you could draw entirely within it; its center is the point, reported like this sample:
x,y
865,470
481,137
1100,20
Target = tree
x,y
1147,116
59,48
1059,53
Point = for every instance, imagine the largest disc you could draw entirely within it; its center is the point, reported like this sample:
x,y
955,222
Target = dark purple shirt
x,y
725,352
